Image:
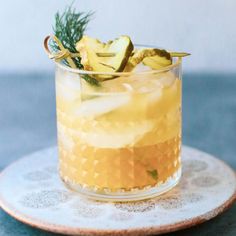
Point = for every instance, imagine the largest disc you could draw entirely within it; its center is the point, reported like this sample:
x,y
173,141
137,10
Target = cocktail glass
x,y
121,140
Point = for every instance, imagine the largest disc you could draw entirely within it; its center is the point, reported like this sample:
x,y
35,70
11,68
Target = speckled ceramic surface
x,y
31,191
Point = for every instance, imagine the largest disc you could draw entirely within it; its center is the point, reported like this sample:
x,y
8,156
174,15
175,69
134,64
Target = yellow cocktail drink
x,y
121,137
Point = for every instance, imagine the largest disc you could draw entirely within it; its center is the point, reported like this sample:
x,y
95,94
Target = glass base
x,y
124,196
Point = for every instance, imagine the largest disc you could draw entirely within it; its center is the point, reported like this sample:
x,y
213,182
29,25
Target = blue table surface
x,y
27,123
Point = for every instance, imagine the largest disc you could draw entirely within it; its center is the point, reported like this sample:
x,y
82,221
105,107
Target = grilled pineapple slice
x,y
100,57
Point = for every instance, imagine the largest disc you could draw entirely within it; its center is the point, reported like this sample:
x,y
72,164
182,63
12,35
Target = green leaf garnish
x,y
153,174
69,29
90,80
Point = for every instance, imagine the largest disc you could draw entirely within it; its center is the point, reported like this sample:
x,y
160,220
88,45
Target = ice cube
x,y
67,93
122,135
141,68
68,80
68,86
167,79
101,105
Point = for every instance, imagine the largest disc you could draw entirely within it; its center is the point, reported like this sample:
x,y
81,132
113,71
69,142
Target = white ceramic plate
x,y
32,192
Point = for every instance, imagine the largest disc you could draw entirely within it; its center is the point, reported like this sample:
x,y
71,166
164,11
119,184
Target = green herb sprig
x,y
69,29
153,174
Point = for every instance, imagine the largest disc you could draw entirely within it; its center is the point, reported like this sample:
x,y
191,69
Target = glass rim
x,y
88,72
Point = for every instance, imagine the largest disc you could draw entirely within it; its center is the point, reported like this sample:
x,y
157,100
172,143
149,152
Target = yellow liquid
x,y
120,140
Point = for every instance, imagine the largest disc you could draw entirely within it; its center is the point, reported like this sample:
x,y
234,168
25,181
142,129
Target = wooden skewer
x,y
179,54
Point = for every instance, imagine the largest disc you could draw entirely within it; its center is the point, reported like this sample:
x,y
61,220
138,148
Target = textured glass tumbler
x,y
121,140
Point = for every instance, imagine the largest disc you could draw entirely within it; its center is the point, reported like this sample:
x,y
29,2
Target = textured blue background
x,y
27,123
